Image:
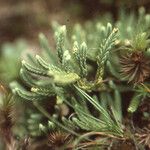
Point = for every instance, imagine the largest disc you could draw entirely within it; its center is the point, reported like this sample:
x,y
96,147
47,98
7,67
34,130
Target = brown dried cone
x,y
135,67
59,140
143,137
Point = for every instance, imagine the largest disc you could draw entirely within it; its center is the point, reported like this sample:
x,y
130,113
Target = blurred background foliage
x,y
25,18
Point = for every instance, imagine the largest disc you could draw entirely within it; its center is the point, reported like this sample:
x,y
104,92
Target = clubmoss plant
x,y
92,73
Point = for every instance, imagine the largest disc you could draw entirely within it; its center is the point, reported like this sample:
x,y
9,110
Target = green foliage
x,y
139,96
64,73
60,42
140,42
106,123
130,26
104,49
84,74
46,79
80,56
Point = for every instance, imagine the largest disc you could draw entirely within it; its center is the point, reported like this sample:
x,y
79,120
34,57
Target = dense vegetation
x,y
89,91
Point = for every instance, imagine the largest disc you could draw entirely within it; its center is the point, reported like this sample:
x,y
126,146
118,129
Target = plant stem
x,y
45,113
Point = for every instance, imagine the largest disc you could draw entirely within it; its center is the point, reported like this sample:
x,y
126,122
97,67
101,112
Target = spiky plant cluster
x,y
81,87
6,118
135,67
59,140
47,80
8,122
134,61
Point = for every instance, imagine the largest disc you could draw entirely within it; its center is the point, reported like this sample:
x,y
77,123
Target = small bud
x,y
42,128
41,36
59,100
75,47
34,89
98,26
55,116
115,30
67,56
51,125
37,56
23,62
109,26
84,46
63,29
74,119
16,89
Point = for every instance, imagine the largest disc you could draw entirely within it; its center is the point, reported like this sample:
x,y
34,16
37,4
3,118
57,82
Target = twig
x,y
95,133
